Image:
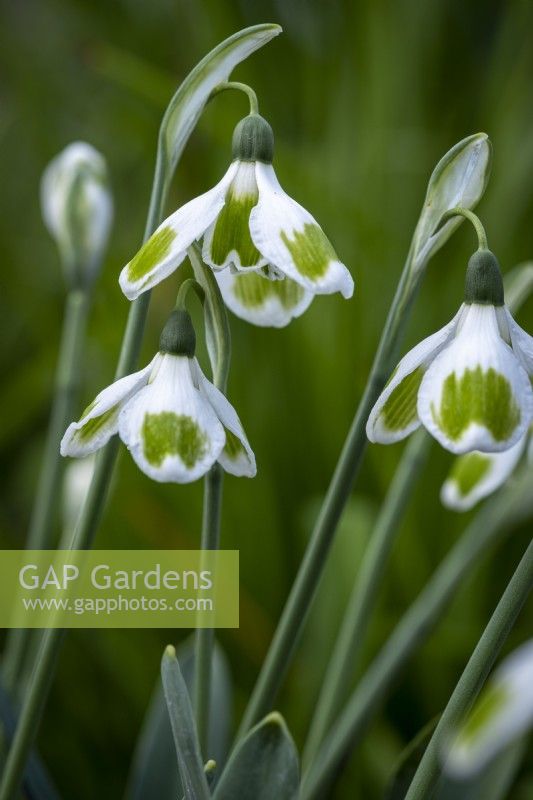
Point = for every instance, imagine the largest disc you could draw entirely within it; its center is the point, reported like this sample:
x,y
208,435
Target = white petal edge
x,y
420,356
514,716
117,394
499,467
244,465
271,313
171,391
189,223
478,343
522,343
276,213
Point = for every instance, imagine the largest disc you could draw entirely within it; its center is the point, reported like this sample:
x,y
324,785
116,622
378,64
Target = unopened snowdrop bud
x,y
77,209
503,712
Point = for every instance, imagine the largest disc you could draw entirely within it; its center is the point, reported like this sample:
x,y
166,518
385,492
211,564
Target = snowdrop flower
x,y
503,712
469,383
77,209
476,475
248,223
174,422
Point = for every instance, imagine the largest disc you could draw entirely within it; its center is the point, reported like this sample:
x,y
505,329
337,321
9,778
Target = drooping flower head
x,y
503,712
248,224
469,383
77,209
174,422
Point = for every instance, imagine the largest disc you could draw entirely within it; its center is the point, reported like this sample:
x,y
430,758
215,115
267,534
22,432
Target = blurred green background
x,y
364,98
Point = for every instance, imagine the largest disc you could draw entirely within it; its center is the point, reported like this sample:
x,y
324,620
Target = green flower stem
x,y
474,675
241,87
41,679
219,337
348,647
41,531
471,217
492,523
303,590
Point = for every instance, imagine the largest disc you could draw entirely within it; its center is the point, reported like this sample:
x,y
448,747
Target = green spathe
x,y
95,424
489,706
253,291
311,250
469,470
399,410
232,230
151,254
478,396
168,434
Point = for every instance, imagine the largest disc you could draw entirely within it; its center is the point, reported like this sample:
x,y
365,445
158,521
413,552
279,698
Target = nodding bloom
x,y
248,224
174,422
469,383
77,209
476,475
503,712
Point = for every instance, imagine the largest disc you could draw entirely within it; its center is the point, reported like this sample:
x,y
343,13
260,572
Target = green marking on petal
x,y
169,434
469,470
399,410
151,253
232,230
94,425
311,250
478,397
253,291
489,706
233,447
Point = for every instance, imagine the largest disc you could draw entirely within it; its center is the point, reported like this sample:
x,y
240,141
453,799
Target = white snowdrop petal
x,y
292,241
476,475
522,344
99,421
171,431
394,415
261,301
167,247
237,456
476,395
503,712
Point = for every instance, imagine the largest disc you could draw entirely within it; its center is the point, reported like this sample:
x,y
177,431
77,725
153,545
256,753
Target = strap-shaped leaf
x,y
154,774
181,719
186,106
264,765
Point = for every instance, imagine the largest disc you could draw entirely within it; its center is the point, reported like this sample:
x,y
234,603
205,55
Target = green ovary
x,y
95,425
253,291
310,250
232,231
399,410
469,470
233,447
478,397
151,254
489,706
169,434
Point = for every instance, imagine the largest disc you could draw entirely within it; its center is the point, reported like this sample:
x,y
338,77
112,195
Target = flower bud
x,y
77,209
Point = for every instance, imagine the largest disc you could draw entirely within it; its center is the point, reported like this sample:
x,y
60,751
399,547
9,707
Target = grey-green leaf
x,y
263,766
459,179
186,106
183,728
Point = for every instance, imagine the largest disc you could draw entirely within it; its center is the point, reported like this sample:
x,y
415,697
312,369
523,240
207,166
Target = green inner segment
x,y
469,470
94,425
252,290
233,447
151,253
478,397
169,434
311,250
232,230
490,704
399,410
